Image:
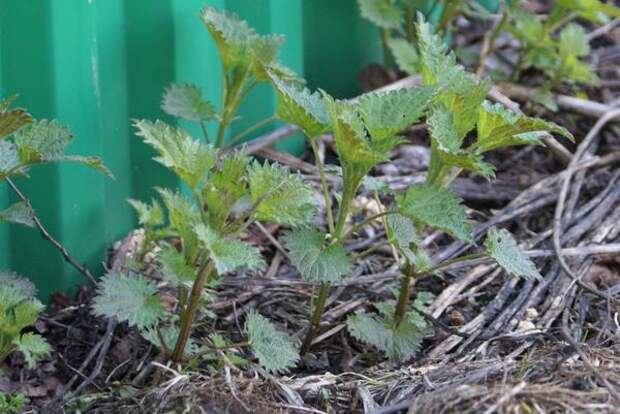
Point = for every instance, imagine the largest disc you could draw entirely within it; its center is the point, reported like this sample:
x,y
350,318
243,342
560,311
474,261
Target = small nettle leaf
x,y
232,36
149,215
42,141
33,346
438,63
130,298
188,158
185,101
276,351
398,343
9,158
227,185
12,119
405,55
402,234
437,207
502,247
498,127
19,285
279,195
384,114
93,162
316,261
183,217
357,154
174,267
574,41
298,106
443,129
18,213
383,13
229,255
264,55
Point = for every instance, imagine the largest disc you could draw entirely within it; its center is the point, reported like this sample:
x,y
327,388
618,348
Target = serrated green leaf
x,y
18,306
443,129
437,207
12,119
33,346
502,247
188,158
92,162
226,186
316,261
398,343
402,234
438,64
405,55
276,351
232,36
357,154
9,159
264,55
381,12
498,128
185,101
18,213
574,41
21,286
280,196
129,298
174,267
149,215
229,255
183,218
42,141
298,106
384,114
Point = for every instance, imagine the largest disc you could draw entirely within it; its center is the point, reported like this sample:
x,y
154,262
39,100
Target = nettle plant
x,y
24,143
19,310
365,131
396,22
202,238
552,46
245,58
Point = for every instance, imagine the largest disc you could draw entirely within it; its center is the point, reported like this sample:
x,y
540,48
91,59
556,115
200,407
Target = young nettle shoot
x,y
19,310
26,142
396,22
364,133
246,57
555,46
229,192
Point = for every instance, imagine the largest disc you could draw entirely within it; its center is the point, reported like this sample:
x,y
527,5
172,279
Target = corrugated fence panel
x,y
97,64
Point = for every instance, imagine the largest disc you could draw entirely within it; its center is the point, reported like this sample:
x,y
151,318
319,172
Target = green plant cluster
x,y
25,143
229,192
198,234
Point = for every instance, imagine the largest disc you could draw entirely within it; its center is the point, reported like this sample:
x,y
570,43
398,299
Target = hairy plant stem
x,y
328,202
315,320
403,297
385,36
409,25
232,92
205,133
319,306
187,319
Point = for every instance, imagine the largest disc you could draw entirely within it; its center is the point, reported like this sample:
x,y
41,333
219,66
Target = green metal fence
x,y
96,64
